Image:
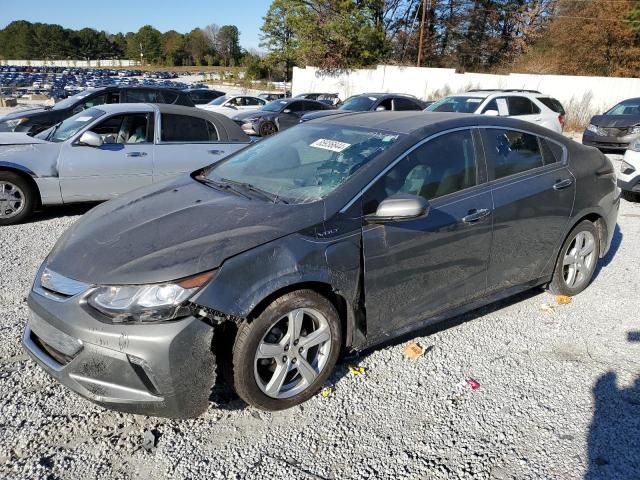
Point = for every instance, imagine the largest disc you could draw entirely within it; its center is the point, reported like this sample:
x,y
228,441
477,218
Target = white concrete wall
x,y
581,96
71,63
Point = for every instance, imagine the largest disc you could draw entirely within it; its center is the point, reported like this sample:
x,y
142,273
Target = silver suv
x,y
529,105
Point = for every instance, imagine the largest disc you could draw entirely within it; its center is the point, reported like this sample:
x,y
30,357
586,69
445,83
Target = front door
x,y
417,268
533,194
124,162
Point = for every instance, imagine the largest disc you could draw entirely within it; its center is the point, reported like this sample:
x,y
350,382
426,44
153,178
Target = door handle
x,y
137,154
560,184
215,152
475,215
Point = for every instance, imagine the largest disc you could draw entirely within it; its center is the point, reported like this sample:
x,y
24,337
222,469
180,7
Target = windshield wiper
x,y
222,186
272,197
54,129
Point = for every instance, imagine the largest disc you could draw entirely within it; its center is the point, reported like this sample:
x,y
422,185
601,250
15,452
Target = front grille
x,y
615,131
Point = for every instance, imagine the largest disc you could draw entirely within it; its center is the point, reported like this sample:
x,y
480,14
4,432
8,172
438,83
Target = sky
x,y
129,15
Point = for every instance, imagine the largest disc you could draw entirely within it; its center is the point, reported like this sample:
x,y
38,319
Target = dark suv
x,y
372,102
201,96
35,120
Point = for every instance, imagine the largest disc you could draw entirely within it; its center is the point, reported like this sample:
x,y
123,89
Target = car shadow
x,y
59,211
616,241
614,434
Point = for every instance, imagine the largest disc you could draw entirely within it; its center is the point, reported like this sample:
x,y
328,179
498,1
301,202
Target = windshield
x,y
219,100
275,106
71,101
359,103
72,125
630,107
303,164
456,104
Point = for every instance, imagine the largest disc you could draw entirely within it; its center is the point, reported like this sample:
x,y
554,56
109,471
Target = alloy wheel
x,y
12,200
579,259
292,353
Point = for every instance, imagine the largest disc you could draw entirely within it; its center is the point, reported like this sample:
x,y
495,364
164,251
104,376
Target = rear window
x,y
552,103
521,106
183,128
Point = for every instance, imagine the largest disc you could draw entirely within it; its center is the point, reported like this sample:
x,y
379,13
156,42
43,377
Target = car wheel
x,y
283,356
17,198
630,196
577,260
268,128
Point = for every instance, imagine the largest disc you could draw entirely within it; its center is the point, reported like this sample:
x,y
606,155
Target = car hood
x,y
253,114
323,113
171,230
11,138
616,120
27,112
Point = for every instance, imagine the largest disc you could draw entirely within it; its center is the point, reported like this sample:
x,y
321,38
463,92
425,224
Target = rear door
x,y
533,193
290,116
124,162
187,143
420,267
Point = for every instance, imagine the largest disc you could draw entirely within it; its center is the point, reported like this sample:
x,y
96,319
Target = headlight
x,y
592,128
147,303
635,129
14,122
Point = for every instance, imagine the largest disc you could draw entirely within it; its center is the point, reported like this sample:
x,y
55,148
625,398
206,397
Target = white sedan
x,y
231,105
629,177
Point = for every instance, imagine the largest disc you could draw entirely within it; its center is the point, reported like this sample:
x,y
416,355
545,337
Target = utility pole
x,y
424,12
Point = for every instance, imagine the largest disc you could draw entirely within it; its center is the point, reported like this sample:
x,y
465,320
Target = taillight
x,y
561,120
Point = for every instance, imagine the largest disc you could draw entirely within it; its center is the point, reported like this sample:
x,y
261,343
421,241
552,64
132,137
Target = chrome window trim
x,y
398,160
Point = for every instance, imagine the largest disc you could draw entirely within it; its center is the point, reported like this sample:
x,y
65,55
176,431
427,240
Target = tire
x,y
17,198
630,196
267,129
577,260
283,358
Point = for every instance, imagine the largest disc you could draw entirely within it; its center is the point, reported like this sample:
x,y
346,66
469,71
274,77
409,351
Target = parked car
x,y
271,96
629,176
201,96
372,102
528,105
36,120
108,150
277,116
272,255
329,98
616,128
231,105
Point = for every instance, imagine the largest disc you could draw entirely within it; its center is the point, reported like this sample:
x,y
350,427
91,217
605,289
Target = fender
x,y
16,166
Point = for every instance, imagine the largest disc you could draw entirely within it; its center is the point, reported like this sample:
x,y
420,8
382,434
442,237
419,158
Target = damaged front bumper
x,y
163,369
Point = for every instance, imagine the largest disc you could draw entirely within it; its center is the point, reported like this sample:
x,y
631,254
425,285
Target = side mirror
x,y
286,110
381,109
492,113
400,207
91,139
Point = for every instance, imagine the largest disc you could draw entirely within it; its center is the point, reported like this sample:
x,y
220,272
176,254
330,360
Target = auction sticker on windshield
x,y
332,145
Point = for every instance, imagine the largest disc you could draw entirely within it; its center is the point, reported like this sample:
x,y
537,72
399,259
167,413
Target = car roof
x,y
409,122
125,107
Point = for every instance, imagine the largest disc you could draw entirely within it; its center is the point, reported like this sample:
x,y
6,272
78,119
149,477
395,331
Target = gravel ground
x,y
559,396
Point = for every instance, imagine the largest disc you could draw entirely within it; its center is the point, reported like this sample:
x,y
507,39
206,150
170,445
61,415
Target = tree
x,y
173,48
228,44
278,36
196,45
149,43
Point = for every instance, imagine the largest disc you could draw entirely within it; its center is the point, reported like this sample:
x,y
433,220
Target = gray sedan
x,y
105,151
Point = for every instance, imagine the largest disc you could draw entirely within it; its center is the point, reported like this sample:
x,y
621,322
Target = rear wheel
x,y
268,128
17,198
577,260
283,356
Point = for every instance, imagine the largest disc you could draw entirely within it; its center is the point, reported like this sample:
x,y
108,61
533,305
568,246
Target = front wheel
x,y
283,356
577,260
267,129
17,198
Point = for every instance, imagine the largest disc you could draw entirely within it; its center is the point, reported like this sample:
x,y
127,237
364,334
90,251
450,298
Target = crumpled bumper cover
x,y
165,369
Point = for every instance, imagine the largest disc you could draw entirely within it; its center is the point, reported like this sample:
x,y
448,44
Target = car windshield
x,y
72,125
630,107
219,100
302,164
71,101
360,103
275,106
456,104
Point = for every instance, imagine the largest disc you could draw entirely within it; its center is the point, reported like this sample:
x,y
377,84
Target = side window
x,y
384,105
492,105
167,96
512,152
296,106
405,104
95,101
441,166
141,96
236,102
521,106
551,151
126,129
183,128
113,97
252,102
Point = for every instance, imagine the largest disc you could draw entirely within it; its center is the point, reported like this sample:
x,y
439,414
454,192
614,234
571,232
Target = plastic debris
x,y
149,441
356,370
563,299
545,307
474,384
413,351
326,391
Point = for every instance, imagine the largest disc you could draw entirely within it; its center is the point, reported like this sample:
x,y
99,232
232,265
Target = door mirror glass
x,y
91,139
492,113
381,108
286,110
400,207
